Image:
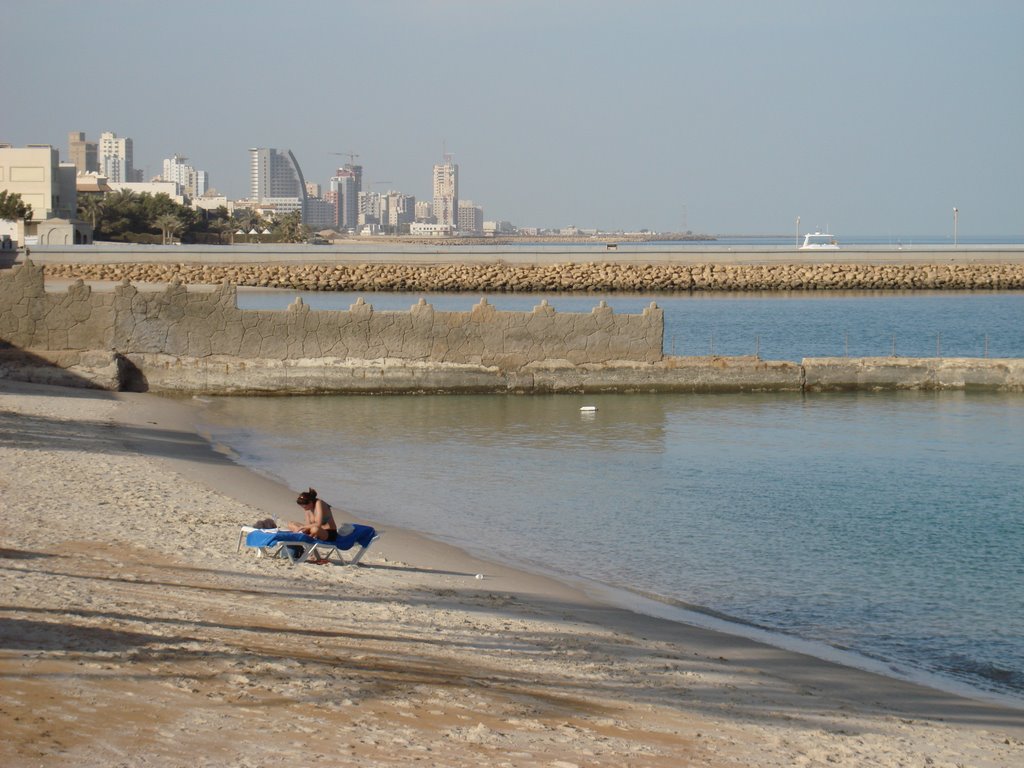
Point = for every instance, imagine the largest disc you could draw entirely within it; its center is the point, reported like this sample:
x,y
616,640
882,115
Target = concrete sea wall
x,y
198,341
202,334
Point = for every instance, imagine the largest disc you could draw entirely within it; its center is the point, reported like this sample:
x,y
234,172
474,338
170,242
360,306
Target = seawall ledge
x,y
420,254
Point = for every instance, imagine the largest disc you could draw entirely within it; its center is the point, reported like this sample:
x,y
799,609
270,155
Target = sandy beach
x,y
133,633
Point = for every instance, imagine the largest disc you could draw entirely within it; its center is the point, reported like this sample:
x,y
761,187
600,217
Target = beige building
x,y
48,185
425,212
211,202
35,172
83,153
446,194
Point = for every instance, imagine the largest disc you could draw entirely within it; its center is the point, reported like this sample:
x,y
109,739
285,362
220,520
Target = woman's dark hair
x,y
306,497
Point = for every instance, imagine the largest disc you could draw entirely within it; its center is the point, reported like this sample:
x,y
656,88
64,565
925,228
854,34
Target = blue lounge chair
x,y
298,547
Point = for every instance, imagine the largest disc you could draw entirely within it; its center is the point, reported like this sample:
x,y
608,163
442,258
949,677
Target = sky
x,y
726,117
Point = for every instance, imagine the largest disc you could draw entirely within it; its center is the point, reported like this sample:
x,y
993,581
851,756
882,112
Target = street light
x,y
956,213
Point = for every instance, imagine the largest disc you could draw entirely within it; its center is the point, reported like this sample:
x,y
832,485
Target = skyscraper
x,y
84,154
346,184
276,179
194,183
446,193
116,158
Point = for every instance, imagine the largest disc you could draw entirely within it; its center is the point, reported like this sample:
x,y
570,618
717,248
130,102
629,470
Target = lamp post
x,y
956,213
797,231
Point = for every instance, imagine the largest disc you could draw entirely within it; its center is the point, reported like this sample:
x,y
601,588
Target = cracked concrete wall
x,y
75,320
200,324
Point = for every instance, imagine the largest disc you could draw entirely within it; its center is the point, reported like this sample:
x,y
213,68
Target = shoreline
x,y
657,607
412,642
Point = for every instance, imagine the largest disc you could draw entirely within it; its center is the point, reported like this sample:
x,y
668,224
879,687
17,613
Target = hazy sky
x,y
726,117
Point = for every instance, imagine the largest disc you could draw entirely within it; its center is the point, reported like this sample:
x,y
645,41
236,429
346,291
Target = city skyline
x,y
655,115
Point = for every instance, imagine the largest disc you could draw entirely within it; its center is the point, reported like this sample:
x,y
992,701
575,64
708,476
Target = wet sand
x,y
133,633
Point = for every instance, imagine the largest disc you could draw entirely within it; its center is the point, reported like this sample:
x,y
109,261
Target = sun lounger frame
x,y
321,550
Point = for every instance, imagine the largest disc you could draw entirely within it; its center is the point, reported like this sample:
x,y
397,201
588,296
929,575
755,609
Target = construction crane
x,y
350,155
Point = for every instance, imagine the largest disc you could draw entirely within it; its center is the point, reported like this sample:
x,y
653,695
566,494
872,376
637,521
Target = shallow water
x,y
888,524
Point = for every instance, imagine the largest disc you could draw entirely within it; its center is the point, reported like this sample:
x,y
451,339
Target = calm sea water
x,y
888,524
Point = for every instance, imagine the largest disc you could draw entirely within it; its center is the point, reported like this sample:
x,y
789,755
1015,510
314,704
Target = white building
x,y
276,180
194,183
492,228
446,194
430,230
170,188
371,208
471,218
116,158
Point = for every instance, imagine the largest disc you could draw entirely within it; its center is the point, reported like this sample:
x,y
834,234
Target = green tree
x,y
120,216
129,217
169,225
221,222
247,219
290,229
13,208
90,208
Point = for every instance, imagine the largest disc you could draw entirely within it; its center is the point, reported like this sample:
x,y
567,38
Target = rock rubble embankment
x,y
591,277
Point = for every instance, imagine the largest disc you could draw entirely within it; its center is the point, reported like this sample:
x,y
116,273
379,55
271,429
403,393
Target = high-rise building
x,y
276,180
115,159
446,193
372,206
193,183
401,210
346,185
84,154
425,212
471,217
320,213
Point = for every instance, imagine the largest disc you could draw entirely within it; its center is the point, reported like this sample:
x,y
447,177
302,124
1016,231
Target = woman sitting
x,y
319,518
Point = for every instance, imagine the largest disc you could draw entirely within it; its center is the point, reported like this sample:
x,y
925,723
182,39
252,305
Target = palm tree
x,y
290,229
224,227
247,219
90,207
168,224
122,198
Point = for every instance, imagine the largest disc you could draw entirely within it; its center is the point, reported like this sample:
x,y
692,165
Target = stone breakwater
x,y
568,277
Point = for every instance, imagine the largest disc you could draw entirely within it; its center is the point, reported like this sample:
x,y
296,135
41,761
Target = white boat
x,y
819,241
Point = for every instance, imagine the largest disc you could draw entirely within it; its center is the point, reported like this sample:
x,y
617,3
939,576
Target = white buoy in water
x,y
588,408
